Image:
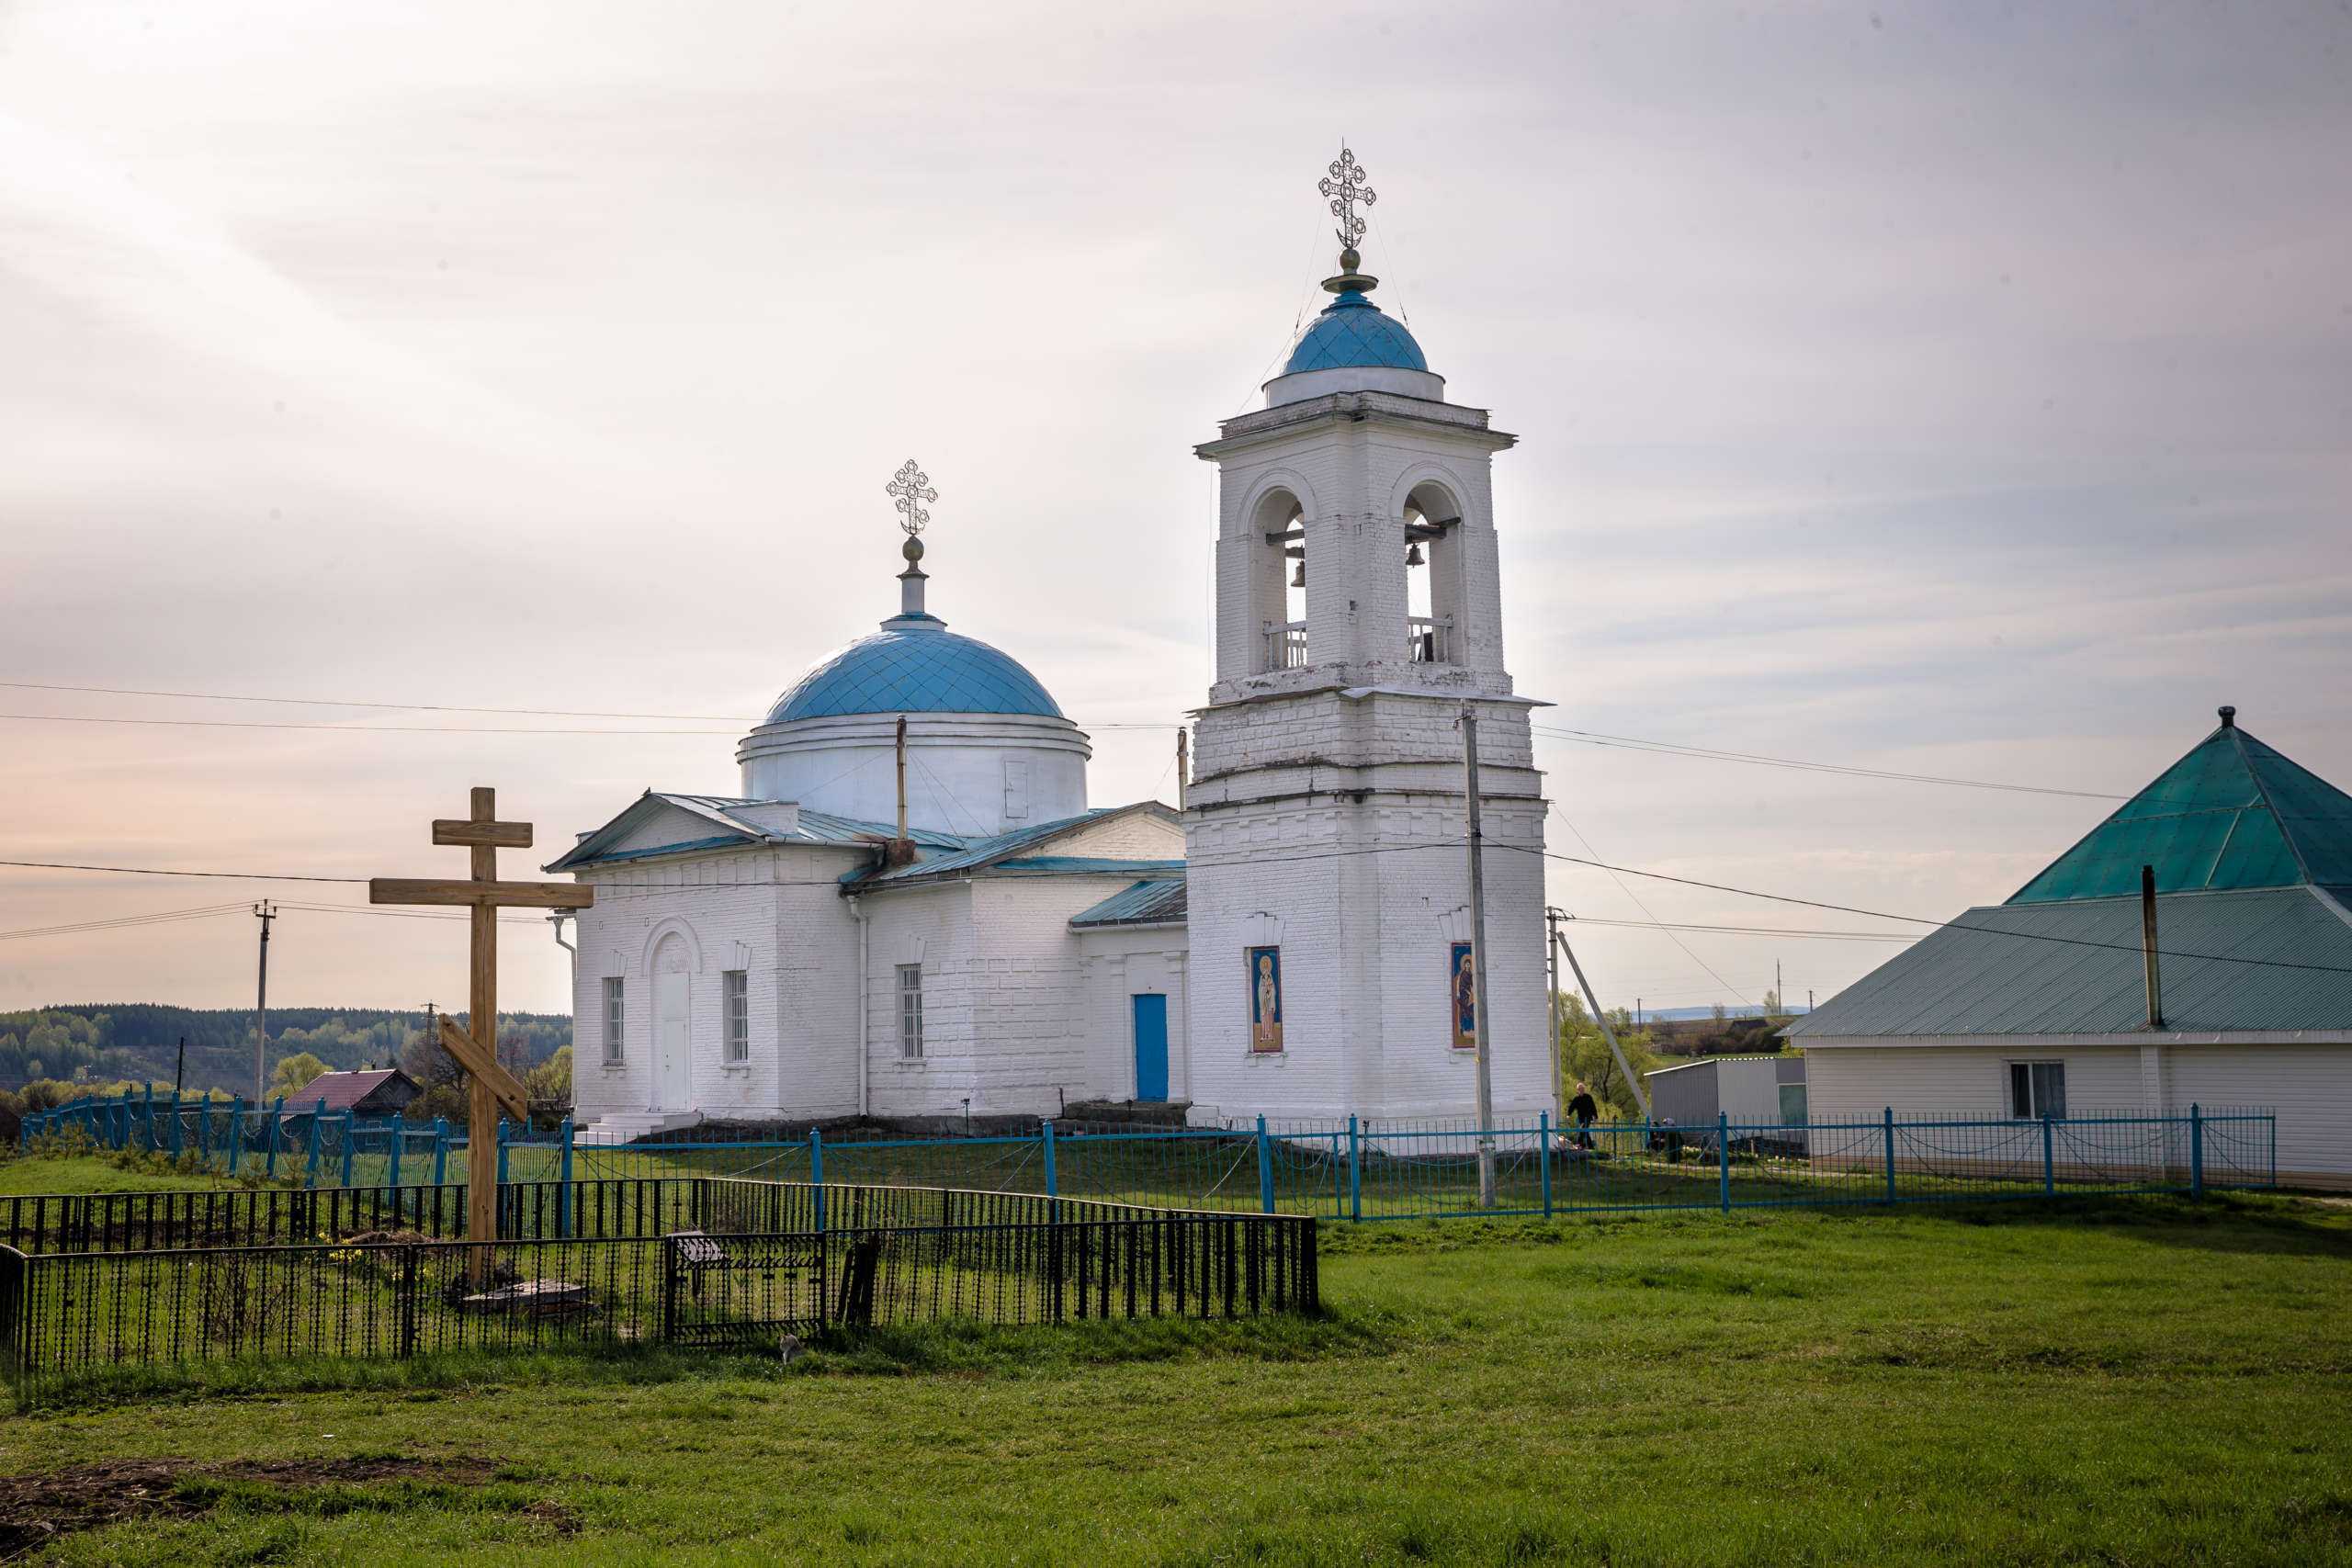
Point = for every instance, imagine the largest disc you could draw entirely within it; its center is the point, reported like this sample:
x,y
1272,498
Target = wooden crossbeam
x,y
506,895
497,835
486,1068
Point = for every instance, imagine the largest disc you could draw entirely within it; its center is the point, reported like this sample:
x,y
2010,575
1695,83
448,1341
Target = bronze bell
x,y
1413,554
1298,578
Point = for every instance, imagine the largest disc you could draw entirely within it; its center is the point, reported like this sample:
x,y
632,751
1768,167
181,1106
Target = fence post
x,y
563,1175
816,1173
1723,1158
440,1150
2195,1150
349,1152
1355,1169
276,1127
1890,1154
392,1172
1265,1172
147,1115
1544,1153
179,1134
2049,1160
310,1167
236,1133
502,1151
1053,1189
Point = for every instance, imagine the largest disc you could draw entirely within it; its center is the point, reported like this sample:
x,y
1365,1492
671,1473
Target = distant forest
x,y
138,1040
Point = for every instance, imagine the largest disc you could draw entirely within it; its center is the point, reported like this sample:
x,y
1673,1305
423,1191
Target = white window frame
x,y
735,1015
2037,1077
911,1012
615,1000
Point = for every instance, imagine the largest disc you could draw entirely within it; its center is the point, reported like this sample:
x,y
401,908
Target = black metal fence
x,y
696,1261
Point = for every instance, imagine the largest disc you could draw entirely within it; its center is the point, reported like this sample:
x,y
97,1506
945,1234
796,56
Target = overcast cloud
x,y
1950,388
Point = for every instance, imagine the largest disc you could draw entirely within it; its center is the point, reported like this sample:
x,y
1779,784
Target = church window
x,y
613,1021
910,1011
735,989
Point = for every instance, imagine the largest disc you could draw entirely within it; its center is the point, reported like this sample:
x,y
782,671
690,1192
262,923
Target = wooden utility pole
x,y
476,1045
267,912
1478,956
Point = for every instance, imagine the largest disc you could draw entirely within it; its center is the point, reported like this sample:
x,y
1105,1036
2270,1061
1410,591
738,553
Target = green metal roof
x,y
2263,961
2253,857
2231,813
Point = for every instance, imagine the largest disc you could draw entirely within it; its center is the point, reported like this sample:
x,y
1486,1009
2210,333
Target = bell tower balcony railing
x,y
1285,645
1431,638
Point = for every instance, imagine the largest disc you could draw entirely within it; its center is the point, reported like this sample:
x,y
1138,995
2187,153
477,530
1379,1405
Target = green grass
x,y
2142,1382
75,1174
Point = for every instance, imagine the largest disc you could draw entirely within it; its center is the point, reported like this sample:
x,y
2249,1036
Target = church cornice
x,y
1244,432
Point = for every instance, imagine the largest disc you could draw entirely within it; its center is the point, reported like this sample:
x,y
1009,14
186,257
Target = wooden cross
x,y
476,1045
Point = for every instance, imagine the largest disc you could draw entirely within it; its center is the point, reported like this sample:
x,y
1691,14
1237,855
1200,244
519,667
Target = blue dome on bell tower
x,y
1353,331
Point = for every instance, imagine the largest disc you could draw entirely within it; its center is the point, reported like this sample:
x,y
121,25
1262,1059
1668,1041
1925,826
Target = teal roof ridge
x,y
2231,813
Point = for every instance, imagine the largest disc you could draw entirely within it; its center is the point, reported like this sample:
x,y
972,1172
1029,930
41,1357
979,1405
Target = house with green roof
x,y
2041,1004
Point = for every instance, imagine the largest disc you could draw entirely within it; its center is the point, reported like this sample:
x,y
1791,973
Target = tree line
x,y
138,1043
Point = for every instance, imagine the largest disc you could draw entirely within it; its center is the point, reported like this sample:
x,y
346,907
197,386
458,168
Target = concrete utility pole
x,y
1478,956
1183,763
1551,968
265,911
1641,1095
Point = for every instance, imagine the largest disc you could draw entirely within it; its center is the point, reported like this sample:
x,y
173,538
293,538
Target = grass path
x,y
2142,1384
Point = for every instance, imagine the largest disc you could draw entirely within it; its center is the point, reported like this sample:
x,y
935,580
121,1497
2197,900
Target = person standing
x,y
1586,1112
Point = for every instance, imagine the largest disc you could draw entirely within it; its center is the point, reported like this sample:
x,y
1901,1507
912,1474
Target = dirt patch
x,y
38,1509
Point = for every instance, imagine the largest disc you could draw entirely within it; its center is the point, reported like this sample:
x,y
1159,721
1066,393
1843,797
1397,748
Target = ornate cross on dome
x,y
912,488
1346,187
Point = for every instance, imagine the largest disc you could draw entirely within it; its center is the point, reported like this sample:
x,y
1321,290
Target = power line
x,y
1645,909
156,918
1924,920
359,702
158,871
1675,749
342,728
1340,854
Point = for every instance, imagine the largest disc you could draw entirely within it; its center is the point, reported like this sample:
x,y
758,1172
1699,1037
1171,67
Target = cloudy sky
x,y
1948,389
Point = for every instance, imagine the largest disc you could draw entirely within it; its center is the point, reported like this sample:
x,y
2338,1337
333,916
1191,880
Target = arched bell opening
x,y
1433,574
1278,582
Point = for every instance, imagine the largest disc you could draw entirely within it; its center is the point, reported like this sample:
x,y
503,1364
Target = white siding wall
x,y
2308,1087
1847,1083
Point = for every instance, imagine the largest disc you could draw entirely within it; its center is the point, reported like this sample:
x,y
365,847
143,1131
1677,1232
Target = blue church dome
x,y
914,665
1353,331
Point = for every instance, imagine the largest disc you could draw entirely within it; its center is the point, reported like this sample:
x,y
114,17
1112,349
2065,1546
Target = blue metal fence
x,y
1355,1169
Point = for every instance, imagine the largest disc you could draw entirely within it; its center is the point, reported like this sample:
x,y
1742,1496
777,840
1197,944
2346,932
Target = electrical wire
x,y
1674,749
1644,909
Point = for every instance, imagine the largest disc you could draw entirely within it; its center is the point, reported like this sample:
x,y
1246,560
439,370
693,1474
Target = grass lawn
x,y
90,1173
2141,1382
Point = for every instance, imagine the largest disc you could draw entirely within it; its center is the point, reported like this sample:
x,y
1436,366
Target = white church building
x,y
910,911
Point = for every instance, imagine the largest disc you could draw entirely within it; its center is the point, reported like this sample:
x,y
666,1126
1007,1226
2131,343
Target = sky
x,y
1952,388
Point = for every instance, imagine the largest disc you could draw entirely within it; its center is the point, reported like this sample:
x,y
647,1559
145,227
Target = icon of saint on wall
x,y
1464,999
1265,998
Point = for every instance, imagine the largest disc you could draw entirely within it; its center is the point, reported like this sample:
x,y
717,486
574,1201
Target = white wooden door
x,y
673,1060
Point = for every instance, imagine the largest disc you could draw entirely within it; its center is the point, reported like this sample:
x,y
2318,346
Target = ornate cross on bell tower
x,y
1346,187
910,488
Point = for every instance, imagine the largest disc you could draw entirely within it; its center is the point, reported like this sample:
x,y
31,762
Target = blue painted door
x,y
1151,1048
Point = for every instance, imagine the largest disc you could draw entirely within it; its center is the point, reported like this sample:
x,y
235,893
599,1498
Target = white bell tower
x,y
1359,609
